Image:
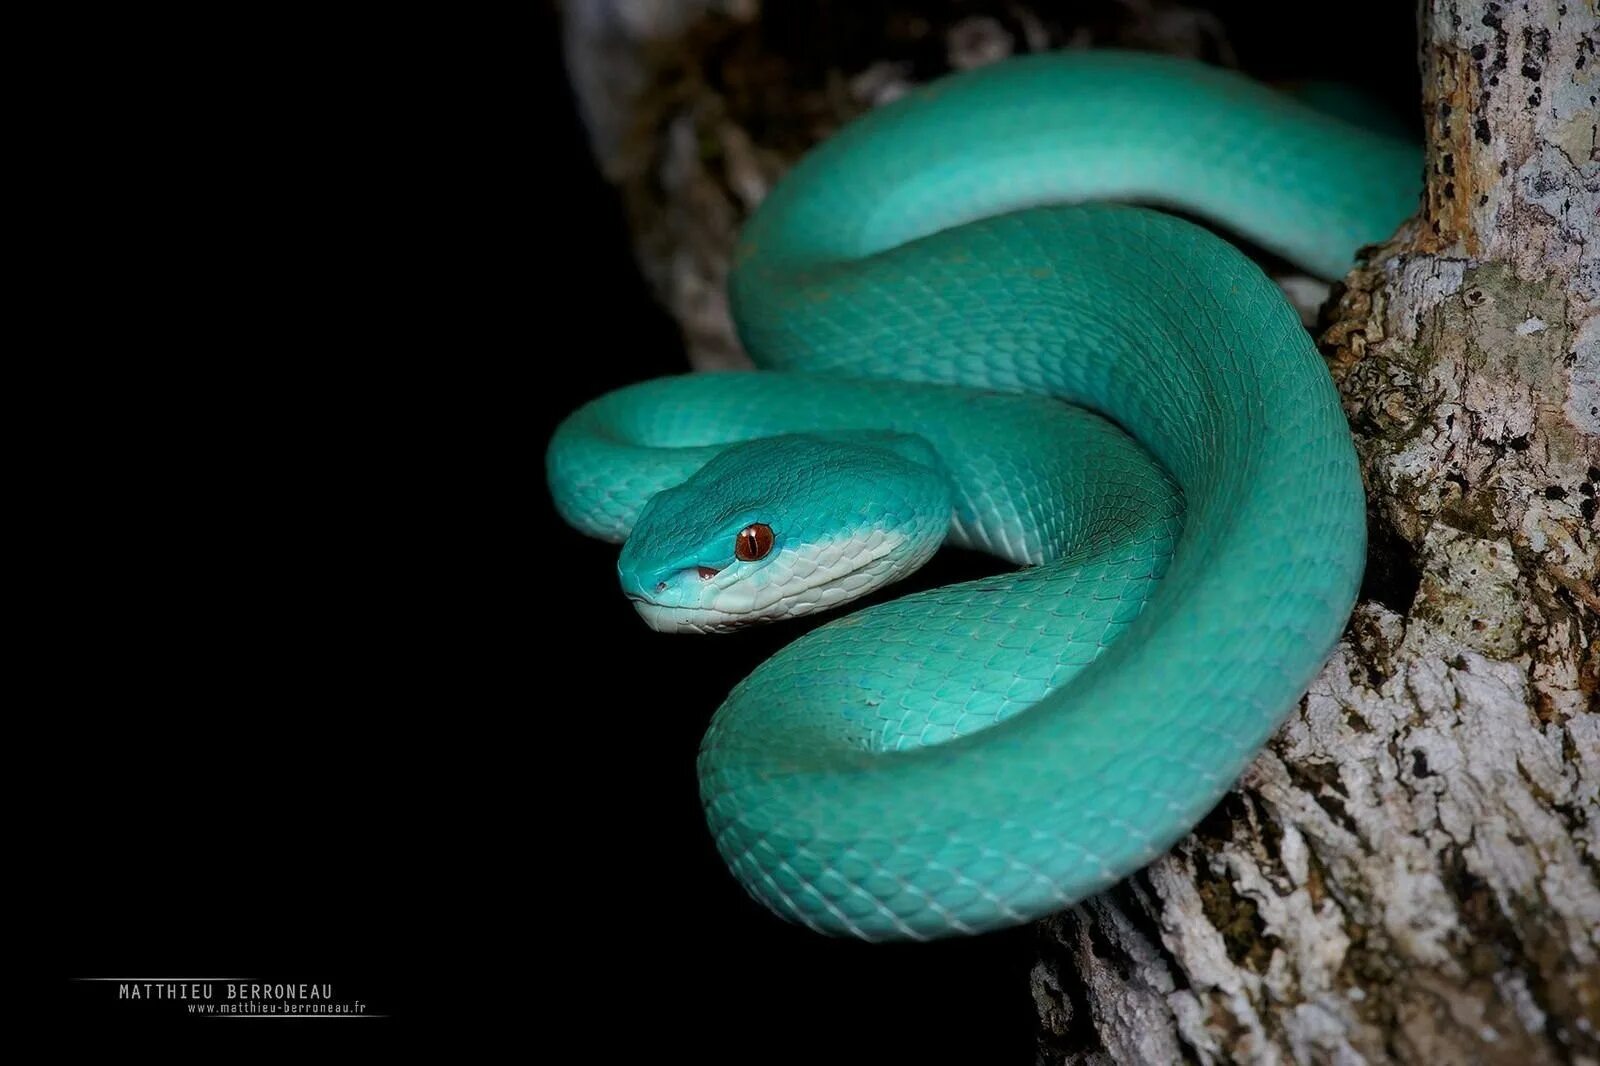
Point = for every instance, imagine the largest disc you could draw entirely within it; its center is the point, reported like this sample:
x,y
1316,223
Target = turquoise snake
x,y
955,347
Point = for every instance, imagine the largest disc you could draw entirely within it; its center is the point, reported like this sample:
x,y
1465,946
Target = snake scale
x,y
957,346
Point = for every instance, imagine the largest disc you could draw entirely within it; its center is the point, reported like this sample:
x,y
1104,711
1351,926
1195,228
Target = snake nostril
x,y
661,586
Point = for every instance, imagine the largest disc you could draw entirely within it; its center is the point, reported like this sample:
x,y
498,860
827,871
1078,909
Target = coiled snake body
x,y
978,755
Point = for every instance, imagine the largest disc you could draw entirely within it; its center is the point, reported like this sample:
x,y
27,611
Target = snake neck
x,y
1019,485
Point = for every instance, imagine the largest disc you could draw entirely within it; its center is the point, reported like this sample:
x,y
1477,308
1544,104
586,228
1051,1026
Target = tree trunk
x,y
1411,871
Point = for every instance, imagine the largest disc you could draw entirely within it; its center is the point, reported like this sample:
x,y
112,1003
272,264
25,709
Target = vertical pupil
x,y
753,542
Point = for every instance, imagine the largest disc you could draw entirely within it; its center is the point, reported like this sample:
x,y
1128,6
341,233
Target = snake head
x,y
785,526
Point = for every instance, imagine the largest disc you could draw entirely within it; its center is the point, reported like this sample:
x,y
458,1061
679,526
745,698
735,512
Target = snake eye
x,y
753,542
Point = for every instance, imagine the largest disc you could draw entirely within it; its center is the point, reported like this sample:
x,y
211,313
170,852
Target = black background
x,y
323,289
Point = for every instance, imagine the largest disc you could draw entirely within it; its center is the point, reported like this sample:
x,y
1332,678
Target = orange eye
x,y
753,542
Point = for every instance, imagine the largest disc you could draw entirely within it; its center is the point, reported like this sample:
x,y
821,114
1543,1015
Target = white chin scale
x,y
798,581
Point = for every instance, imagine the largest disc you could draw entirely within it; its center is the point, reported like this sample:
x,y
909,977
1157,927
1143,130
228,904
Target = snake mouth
x,y
676,618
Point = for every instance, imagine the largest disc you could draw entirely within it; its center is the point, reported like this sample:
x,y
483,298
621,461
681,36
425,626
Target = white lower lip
x,y
683,620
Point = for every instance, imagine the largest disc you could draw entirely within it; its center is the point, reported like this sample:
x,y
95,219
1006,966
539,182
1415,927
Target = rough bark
x,y
1411,871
